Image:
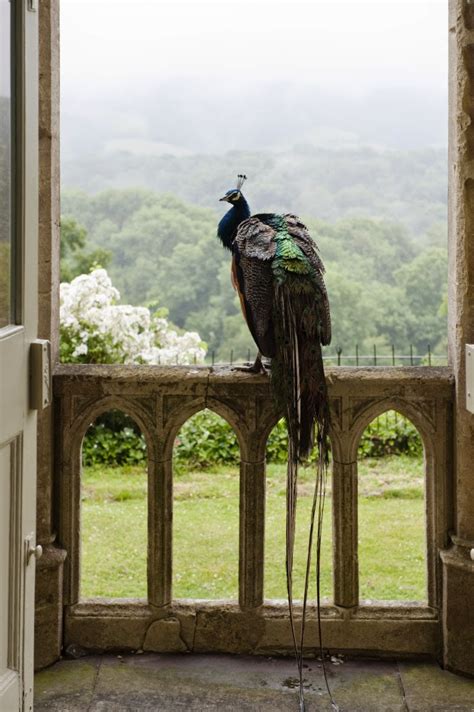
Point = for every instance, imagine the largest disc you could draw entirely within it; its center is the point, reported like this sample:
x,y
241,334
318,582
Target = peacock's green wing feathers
x,y
301,237
283,242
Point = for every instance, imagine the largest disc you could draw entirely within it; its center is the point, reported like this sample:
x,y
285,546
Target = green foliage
x,y
114,439
390,434
424,282
77,255
277,444
385,286
402,186
102,348
206,439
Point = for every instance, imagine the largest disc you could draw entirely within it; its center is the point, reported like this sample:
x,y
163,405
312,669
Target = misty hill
x,y
406,186
221,116
327,155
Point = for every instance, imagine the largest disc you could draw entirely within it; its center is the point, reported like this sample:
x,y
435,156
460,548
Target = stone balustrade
x,y
160,400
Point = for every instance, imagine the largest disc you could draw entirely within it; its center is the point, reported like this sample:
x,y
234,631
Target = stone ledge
x,y
225,374
206,626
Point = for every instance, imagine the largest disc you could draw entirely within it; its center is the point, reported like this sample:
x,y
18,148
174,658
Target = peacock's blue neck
x,y
228,225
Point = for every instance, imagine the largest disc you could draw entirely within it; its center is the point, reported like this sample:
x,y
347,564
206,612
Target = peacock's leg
x,y
259,366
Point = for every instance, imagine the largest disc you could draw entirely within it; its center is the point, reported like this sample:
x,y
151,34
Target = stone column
x,y
160,533
48,619
252,534
458,568
345,528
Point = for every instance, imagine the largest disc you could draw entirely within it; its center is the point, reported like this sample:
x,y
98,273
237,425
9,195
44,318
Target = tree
x,y
165,252
77,257
424,281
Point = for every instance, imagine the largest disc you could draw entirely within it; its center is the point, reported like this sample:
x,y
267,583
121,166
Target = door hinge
x,y
40,374
32,5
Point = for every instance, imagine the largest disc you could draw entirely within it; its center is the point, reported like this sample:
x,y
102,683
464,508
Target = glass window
x,y
6,234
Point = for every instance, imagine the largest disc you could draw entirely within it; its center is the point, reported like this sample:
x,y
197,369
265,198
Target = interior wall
x,y
48,622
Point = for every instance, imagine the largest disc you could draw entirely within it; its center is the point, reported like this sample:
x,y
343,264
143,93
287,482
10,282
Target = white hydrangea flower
x,y
80,349
91,319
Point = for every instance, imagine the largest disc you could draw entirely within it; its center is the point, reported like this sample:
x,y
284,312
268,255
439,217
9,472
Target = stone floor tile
x,y
428,688
201,682
367,686
226,683
67,686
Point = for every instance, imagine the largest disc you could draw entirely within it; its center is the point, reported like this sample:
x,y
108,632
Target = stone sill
x,y
172,374
139,607
222,627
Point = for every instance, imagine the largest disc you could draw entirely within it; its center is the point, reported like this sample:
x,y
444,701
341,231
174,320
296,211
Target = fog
x,y
355,46
179,78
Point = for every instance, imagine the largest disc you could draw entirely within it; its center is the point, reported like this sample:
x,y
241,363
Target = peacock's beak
x,y
224,197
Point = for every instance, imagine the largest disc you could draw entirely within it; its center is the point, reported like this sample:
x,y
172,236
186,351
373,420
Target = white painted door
x,y
18,321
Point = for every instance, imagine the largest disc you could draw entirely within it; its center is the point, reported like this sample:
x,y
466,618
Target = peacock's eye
x,y
235,196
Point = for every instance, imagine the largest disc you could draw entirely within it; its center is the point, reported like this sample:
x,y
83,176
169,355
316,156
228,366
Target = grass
x,y
206,525
113,532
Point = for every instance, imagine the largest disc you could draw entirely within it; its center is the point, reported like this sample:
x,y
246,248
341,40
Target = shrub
x,y
114,439
206,440
390,434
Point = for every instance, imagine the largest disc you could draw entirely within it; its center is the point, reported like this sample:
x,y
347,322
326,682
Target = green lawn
x,y
206,525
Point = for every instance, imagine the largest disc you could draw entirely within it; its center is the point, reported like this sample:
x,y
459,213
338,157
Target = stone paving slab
x,y
428,688
173,683
66,686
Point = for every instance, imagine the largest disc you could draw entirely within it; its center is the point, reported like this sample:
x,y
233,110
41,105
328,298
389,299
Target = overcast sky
x,y
351,45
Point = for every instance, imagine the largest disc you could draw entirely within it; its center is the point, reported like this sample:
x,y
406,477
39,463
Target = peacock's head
x,y
234,195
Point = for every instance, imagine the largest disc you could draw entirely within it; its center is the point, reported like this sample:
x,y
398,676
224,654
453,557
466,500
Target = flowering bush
x,y
96,329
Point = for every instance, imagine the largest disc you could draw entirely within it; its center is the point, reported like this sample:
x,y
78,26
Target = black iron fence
x,y
339,356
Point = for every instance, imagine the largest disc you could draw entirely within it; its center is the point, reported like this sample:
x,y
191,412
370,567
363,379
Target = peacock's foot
x,y
259,366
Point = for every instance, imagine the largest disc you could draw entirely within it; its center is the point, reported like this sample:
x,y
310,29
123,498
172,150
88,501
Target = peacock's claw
x,y
257,367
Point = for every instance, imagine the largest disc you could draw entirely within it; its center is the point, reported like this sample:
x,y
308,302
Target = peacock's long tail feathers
x,y
297,368
279,275
300,389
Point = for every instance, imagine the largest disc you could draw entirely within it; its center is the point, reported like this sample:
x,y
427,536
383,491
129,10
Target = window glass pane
x,y
5,165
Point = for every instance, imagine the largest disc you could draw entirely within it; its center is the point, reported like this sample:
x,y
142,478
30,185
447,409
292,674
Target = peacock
x,y
278,274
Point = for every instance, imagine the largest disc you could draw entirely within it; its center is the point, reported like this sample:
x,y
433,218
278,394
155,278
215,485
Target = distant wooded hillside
x,y
386,279
404,186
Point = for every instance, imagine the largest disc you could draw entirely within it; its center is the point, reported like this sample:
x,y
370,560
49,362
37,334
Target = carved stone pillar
x,y
49,570
458,568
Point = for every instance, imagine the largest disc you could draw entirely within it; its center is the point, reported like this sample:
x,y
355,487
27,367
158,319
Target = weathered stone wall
x,y
458,578
160,400
48,638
